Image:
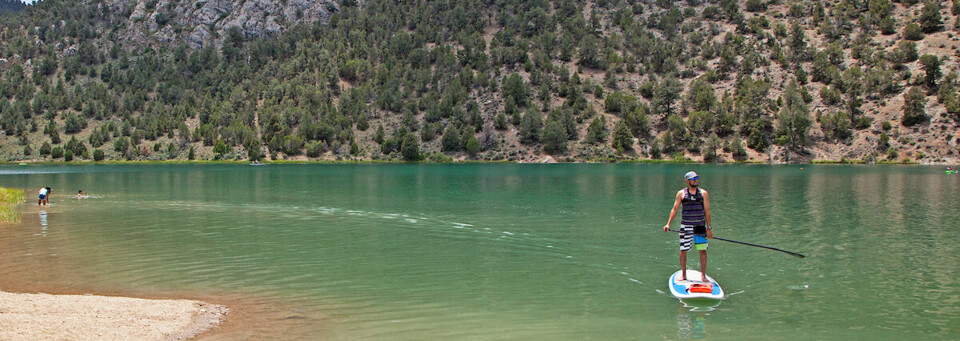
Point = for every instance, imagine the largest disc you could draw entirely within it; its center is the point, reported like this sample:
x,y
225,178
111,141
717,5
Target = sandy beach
x,y
88,317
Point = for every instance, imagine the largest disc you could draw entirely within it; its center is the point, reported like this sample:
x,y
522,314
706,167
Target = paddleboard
x,y
693,287
951,172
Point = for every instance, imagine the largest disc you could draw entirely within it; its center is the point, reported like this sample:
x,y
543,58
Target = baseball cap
x,y
690,175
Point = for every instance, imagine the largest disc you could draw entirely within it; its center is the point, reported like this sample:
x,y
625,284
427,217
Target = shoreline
x,y
458,162
201,316
26,314
29,316
49,300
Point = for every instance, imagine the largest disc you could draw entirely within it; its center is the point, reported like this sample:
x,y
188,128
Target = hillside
x,y
11,6
507,80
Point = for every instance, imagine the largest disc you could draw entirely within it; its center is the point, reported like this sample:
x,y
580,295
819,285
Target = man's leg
x,y
703,264
683,265
686,242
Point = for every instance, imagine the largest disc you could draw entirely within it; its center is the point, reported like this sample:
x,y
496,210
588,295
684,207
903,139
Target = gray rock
x,y
198,37
212,11
198,23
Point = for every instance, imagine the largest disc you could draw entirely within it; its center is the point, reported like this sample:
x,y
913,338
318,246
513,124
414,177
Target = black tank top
x,y
693,212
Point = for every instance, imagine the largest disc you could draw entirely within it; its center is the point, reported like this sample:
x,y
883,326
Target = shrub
x,y
439,158
914,103
410,149
56,152
530,126
756,6
830,95
314,148
931,67
471,145
451,139
500,122
45,149
596,131
292,145
930,20
735,147
622,139
74,124
912,32
554,137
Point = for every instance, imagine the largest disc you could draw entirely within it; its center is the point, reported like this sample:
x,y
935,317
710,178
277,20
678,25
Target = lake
x,y
501,251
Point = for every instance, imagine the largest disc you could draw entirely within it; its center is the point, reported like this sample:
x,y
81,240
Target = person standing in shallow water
x,y
694,222
42,196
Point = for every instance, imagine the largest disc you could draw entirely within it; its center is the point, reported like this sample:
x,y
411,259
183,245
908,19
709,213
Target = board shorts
x,y
688,237
43,196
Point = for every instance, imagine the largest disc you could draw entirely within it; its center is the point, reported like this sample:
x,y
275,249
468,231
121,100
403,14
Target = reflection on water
x,y
691,325
701,305
407,252
43,223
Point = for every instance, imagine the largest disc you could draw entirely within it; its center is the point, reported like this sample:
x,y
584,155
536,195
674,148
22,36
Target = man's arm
x,y
673,212
706,212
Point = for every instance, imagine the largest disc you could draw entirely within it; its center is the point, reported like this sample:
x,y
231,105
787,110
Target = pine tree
x,y
596,132
793,121
622,139
554,137
931,66
930,19
451,139
410,148
914,103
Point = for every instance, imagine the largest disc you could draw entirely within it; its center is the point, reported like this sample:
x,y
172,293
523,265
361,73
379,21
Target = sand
x,y
88,317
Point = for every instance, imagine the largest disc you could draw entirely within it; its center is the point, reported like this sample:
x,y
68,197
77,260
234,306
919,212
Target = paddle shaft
x,y
757,245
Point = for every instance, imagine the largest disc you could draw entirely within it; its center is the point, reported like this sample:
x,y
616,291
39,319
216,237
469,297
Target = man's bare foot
x,y
705,279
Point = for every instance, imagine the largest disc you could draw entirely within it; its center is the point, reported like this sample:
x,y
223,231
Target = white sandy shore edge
x,y
88,317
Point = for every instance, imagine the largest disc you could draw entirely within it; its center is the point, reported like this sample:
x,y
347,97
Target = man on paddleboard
x,y
694,222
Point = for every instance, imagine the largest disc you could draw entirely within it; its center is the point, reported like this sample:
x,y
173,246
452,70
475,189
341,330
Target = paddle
x,y
765,247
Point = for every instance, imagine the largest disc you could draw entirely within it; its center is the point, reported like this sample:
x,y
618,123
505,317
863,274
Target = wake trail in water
x,y
513,237
588,259
435,226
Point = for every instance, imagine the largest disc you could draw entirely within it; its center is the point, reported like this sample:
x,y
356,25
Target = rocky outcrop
x,y
203,22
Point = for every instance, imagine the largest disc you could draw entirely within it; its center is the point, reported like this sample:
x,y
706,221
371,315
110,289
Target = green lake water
x,y
504,252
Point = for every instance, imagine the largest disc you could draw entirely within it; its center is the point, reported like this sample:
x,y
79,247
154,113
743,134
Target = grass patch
x,y
897,162
842,161
9,199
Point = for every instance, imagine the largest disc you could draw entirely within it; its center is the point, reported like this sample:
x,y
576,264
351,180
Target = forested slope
x,y
480,80
10,6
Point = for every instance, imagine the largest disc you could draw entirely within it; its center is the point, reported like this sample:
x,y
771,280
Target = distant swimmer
x,y
80,195
42,196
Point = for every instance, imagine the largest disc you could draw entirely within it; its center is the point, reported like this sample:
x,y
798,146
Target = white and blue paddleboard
x,y
693,287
